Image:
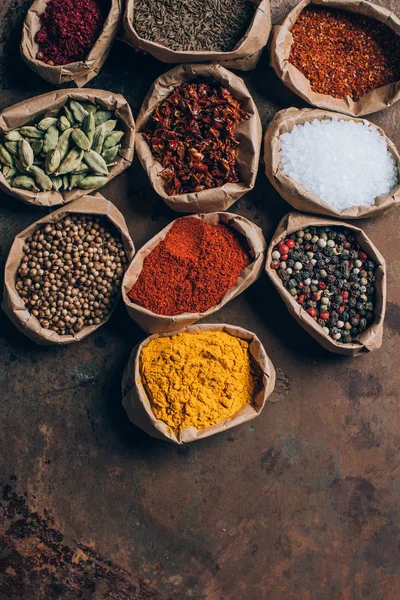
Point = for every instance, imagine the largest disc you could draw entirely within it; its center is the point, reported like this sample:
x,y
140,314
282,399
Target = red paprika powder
x,y
69,30
191,269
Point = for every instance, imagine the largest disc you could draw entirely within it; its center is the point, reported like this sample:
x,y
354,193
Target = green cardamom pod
x,y
13,136
112,139
5,157
50,139
25,182
71,161
63,143
92,181
82,168
98,138
95,162
52,162
47,122
31,132
89,127
110,125
25,153
75,178
37,146
78,110
102,116
41,178
80,139
91,108
68,113
57,183
20,166
110,154
65,181
9,172
12,147
63,123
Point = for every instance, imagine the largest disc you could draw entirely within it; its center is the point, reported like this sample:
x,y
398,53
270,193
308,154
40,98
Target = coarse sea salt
x,y
343,162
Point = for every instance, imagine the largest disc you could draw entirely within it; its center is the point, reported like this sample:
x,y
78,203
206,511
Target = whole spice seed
x,y
191,269
198,379
69,29
194,137
53,148
211,25
344,54
71,272
329,275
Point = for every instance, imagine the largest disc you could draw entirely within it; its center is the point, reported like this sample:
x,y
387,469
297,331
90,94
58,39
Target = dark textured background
x,y
301,504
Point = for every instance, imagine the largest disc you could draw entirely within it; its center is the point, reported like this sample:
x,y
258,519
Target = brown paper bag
x,y
248,133
369,340
294,192
243,57
78,72
373,101
154,323
14,306
137,403
32,110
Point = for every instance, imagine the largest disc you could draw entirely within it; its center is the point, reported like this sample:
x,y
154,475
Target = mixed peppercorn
x,y
194,137
328,274
343,53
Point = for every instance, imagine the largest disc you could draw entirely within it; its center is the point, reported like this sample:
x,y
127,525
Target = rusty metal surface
x,y
301,504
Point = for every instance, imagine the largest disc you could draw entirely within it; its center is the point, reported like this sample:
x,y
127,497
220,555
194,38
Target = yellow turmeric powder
x,y
198,379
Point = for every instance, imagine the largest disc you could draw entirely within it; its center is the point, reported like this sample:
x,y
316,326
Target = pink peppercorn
x,y
69,30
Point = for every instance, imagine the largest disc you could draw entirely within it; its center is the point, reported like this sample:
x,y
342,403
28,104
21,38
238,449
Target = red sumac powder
x,y
343,53
191,269
69,29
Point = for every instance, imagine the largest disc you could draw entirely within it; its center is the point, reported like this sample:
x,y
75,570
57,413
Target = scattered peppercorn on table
x,y
258,510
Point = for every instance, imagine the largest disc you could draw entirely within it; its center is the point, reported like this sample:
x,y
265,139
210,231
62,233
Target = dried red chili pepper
x,y
69,29
344,54
194,137
191,269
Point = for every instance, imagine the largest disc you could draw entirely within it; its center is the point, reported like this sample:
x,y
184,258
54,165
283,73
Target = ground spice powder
x,y
344,54
198,379
69,30
191,269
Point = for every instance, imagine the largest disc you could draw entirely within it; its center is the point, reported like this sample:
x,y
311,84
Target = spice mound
x,y
193,137
210,25
69,30
74,148
343,162
328,274
343,53
191,269
198,379
71,273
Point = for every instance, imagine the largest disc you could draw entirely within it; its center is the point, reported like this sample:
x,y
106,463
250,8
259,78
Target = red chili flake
x,y
343,53
69,29
200,119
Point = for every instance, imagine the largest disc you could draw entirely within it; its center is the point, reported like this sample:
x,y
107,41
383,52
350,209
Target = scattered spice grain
x,y
344,54
191,269
193,137
69,29
210,25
